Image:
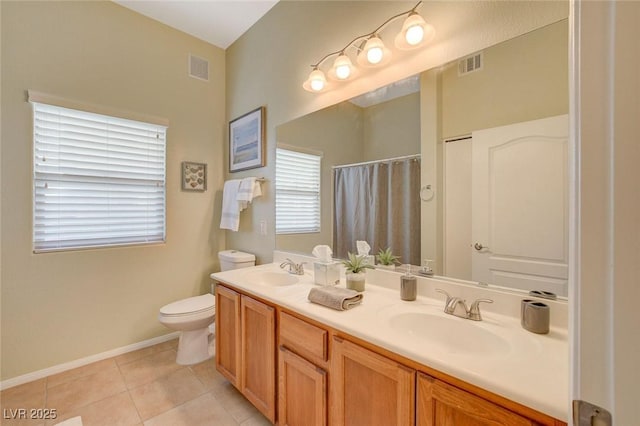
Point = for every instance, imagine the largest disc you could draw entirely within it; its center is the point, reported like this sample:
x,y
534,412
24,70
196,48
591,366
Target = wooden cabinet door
x,y
440,404
369,389
302,391
228,337
258,377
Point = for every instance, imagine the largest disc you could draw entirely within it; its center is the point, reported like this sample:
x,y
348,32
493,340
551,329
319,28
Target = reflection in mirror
x,y
498,208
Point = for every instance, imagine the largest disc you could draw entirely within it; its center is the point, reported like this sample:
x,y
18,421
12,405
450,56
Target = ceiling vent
x,y
198,68
470,64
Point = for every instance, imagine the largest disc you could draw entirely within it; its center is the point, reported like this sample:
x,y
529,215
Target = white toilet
x,y
194,315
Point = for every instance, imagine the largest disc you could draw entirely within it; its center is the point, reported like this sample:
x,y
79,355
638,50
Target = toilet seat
x,y
189,306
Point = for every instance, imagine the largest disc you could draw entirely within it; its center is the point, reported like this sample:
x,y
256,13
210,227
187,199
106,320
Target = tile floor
x,y
144,387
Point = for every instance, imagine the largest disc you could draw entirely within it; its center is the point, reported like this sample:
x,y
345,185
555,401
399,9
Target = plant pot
x,y
355,281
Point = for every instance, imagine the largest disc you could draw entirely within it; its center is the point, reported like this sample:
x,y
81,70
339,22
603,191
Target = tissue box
x,y
369,259
326,273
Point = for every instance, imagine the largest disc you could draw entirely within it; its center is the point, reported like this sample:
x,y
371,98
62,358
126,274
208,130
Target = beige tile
x,y
20,422
166,393
258,420
149,368
204,410
17,402
85,390
117,410
31,388
233,401
76,373
141,353
207,374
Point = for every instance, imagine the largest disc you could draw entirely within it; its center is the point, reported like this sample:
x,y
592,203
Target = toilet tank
x,y
234,259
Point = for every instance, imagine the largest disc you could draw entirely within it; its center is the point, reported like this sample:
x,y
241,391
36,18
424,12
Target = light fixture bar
x,y
370,51
367,35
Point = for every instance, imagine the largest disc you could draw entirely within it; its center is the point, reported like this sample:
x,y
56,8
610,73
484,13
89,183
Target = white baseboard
x,y
29,377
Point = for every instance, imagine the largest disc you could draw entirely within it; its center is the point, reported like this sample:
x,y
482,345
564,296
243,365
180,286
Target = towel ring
x,y
426,193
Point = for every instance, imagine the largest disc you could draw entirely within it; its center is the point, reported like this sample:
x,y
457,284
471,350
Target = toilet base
x,y
195,346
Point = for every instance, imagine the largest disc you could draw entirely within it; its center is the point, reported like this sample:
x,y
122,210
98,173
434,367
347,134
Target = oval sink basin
x,y
272,278
454,335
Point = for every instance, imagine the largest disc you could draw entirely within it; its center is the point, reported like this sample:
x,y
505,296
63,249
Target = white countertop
x,y
524,367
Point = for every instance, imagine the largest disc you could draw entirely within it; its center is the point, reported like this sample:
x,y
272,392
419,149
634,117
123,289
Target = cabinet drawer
x,y
303,338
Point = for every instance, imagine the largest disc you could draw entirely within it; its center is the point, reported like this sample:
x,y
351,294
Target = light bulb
x,y
316,81
374,55
341,67
414,35
415,32
317,84
343,72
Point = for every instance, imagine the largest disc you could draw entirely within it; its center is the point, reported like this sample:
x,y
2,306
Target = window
x,y
297,192
98,180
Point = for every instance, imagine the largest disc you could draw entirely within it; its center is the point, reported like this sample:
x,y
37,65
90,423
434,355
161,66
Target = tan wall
x,y
58,307
522,79
268,64
392,128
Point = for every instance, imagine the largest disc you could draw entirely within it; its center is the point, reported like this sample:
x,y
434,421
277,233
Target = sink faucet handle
x,y
300,268
443,292
474,310
449,304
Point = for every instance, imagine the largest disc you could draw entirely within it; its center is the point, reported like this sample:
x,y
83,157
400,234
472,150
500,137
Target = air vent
x,y
470,64
198,68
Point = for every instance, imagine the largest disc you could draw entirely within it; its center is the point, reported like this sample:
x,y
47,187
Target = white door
x,y
520,205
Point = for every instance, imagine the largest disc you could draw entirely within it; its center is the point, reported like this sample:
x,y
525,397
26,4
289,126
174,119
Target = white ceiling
x,y
219,22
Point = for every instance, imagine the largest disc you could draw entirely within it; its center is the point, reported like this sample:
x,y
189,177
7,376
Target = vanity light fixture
x,y
370,50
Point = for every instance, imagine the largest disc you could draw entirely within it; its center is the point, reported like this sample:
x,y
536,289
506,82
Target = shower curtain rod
x,y
406,157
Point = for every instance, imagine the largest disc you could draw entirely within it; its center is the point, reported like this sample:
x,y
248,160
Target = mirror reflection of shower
x,y
378,202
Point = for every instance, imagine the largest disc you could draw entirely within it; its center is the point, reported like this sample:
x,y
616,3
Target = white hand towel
x,y
230,207
249,189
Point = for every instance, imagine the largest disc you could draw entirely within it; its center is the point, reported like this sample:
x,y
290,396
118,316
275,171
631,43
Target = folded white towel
x,y
249,189
230,207
336,298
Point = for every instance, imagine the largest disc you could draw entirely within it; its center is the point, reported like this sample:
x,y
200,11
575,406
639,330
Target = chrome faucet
x,y
294,268
458,307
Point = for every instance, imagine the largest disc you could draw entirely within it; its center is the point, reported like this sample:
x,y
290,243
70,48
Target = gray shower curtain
x,y
379,203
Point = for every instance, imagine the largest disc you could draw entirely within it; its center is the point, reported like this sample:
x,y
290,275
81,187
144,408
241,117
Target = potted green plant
x,y
386,259
355,266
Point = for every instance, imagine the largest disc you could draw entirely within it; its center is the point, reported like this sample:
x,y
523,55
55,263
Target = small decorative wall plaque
x,y
194,176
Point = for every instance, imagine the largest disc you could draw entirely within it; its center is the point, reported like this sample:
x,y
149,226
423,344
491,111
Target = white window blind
x,y
297,192
98,180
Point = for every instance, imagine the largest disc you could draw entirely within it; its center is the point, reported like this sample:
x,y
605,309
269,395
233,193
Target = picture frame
x,y
247,141
194,176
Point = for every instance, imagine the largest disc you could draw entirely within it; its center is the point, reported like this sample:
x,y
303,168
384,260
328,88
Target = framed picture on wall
x,y
247,141
194,176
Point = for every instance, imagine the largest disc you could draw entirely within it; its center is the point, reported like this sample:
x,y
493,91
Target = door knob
x,y
479,246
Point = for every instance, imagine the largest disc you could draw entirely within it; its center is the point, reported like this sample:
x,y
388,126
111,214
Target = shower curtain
x,y
378,202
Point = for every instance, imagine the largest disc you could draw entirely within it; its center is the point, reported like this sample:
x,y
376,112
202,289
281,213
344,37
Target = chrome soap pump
x,y
408,286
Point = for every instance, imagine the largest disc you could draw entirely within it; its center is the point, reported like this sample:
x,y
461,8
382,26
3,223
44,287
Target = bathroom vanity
x,y
386,361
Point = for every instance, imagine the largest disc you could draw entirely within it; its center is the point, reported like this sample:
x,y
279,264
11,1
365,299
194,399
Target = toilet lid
x,y
190,305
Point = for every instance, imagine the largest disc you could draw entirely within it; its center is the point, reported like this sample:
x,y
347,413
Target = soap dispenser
x,y
408,286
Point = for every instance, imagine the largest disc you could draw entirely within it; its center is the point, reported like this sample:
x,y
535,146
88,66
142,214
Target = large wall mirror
x,y
489,135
